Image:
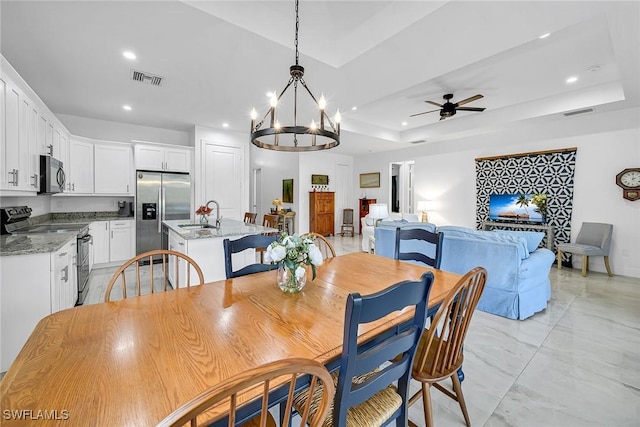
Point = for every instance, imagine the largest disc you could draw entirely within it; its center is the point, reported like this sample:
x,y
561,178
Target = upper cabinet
x,y
27,129
165,158
113,171
80,168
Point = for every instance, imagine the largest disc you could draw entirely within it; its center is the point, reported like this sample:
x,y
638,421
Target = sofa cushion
x,y
533,238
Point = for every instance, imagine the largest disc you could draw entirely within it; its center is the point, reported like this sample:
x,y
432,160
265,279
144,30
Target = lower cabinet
x,y
33,286
113,241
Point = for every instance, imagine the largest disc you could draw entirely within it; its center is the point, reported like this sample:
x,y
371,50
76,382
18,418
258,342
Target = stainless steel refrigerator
x,y
159,196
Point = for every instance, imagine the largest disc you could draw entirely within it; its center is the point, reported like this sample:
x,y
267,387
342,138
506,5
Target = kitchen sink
x,y
196,226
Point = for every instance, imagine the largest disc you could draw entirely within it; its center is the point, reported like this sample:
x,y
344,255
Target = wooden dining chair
x,y
290,371
271,221
419,245
347,222
365,395
439,354
250,217
171,270
252,241
326,248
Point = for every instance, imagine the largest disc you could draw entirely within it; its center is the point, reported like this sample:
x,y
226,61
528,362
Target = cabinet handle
x,y
127,188
65,270
75,259
50,147
73,187
63,254
106,224
13,180
112,234
181,243
35,179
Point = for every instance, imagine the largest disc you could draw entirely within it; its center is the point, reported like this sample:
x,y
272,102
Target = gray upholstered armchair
x,y
594,239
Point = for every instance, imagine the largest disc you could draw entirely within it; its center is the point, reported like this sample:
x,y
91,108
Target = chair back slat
x,y
252,241
430,240
133,269
250,217
326,248
291,371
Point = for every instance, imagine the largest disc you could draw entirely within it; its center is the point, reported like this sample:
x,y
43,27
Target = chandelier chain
x,y
297,28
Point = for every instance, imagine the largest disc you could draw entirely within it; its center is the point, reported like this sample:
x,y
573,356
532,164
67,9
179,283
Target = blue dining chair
x,y
417,244
365,394
252,241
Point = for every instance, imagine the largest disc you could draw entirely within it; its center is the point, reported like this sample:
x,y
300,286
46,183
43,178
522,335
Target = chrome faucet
x,y
218,217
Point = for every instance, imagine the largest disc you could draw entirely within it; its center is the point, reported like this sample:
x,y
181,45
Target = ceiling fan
x,y
449,108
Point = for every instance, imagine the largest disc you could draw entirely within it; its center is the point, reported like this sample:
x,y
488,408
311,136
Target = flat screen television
x,y
513,208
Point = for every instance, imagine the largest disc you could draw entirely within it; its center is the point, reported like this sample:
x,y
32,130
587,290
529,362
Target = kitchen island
x,y
203,243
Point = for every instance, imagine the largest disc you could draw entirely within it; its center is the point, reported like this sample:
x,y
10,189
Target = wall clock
x,y
629,181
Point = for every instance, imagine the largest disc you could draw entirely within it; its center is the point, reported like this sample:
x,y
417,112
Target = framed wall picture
x,y
319,179
370,180
287,190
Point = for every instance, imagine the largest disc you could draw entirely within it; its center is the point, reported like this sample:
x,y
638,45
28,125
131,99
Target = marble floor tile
x,y
577,363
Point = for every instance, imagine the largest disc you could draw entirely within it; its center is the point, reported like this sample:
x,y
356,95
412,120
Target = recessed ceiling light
x,y
129,55
544,36
127,107
354,108
225,125
572,79
404,123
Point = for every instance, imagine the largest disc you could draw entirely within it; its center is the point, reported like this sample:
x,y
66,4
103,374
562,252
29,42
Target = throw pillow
x,y
533,238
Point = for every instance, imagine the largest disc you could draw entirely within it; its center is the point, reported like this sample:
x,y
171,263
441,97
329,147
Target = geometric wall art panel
x,y
543,172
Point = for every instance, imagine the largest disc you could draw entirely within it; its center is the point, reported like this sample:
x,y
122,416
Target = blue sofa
x,y
518,283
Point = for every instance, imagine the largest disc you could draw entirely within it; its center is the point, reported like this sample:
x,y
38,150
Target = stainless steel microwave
x,y
52,176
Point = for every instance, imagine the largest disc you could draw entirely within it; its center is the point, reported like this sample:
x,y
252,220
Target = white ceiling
x,y
219,58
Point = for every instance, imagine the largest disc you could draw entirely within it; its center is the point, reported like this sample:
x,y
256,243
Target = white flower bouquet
x,y
293,252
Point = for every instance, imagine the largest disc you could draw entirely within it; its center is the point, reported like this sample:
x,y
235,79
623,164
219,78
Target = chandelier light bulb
x,y
274,100
254,114
277,125
313,125
322,103
337,117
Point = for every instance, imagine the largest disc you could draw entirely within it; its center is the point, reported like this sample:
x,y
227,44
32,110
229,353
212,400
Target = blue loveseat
x,y
518,283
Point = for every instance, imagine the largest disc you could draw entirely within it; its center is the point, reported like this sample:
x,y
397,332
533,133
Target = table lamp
x,y
378,211
424,206
277,203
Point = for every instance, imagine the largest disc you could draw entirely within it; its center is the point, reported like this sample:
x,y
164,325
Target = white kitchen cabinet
x,y
121,240
10,136
178,244
99,231
49,286
163,158
79,170
112,169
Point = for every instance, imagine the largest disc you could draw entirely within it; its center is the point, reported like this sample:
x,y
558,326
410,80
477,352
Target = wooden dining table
x,y
133,361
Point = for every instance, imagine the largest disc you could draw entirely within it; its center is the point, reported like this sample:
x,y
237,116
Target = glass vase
x,y
204,219
287,280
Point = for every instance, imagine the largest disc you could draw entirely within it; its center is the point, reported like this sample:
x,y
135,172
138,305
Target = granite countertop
x,y
25,244
228,227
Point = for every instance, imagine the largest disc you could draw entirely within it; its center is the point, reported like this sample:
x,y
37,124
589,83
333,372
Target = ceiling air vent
x,y
142,77
573,113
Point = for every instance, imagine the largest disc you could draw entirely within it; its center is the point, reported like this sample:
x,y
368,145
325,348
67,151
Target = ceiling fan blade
x,y
470,109
473,98
433,103
419,114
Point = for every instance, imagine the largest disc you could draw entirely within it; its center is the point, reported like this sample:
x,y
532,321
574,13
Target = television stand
x,y
490,225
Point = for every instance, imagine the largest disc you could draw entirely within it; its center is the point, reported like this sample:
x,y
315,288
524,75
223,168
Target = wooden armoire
x,y
321,212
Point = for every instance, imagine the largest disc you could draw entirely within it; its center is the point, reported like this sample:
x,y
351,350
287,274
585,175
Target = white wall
x,y
607,143
122,132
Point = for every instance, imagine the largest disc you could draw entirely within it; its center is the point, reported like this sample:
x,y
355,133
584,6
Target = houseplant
x,y
293,253
204,212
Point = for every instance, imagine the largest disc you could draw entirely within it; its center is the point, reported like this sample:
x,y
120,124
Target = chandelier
x,y
316,136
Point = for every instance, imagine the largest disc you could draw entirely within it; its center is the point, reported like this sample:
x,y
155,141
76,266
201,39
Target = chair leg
x,y
559,259
426,403
458,389
606,264
585,265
